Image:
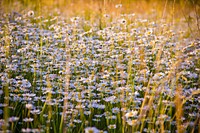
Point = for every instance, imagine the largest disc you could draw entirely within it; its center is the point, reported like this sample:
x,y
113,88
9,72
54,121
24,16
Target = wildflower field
x,y
100,66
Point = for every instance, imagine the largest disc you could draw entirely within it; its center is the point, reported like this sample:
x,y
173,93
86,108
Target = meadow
x,y
100,66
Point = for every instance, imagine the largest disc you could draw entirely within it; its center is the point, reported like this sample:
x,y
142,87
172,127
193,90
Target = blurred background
x,y
163,8
170,10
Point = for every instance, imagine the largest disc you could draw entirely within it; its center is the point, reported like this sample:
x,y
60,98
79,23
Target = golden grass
x,y
171,10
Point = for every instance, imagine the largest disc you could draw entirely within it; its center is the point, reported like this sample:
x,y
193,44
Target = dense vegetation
x,y
99,66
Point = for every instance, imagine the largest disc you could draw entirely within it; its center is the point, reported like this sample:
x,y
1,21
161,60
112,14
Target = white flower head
x,y
131,114
31,14
118,6
91,130
29,106
113,126
131,122
123,21
75,19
